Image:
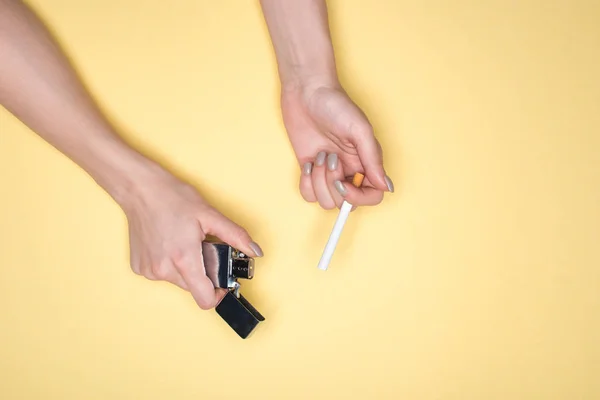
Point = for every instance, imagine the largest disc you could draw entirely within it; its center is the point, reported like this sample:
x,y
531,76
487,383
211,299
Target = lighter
x,y
224,266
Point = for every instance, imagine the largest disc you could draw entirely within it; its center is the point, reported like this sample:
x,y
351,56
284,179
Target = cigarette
x,y
334,237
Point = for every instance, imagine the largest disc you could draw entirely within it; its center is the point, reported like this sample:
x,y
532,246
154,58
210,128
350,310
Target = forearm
x,y
299,31
40,88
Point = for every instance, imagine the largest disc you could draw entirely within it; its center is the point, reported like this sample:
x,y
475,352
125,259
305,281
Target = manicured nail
x,y
389,184
307,168
339,186
320,159
332,161
256,249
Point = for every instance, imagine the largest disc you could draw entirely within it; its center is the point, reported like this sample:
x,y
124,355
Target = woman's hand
x,y
168,220
333,139
325,127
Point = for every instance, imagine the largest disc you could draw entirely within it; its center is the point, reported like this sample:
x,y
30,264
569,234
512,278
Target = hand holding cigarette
x,y
332,140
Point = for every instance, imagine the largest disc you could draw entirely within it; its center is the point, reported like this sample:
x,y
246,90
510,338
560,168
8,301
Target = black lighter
x,y
224,266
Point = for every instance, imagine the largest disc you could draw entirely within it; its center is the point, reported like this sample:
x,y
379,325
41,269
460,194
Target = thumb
x,y
216,224
371,157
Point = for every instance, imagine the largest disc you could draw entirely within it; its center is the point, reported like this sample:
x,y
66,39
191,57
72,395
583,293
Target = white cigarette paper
x,y
334,237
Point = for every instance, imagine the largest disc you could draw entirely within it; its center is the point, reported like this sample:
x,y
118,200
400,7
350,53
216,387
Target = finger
x,y
135,260
216,224
335,171
319,182
306,187
190,265
146,266
371,156
220,293
166,271
134,253
178,280
363,196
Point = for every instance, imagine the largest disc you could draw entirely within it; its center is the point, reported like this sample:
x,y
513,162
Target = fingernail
x,y
307,168
256,249
332,161
389,184
339,186
320,159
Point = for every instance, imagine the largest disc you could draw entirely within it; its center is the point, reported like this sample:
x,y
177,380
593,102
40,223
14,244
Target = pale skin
x,y
320,119
167,217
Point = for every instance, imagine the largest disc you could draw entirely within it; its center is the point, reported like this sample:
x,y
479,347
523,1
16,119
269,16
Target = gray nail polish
x,y
389,184
256,249
307,168
339,186
320,158
332,161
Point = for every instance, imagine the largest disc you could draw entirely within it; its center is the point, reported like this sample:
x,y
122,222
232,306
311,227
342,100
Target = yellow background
x,y
478,279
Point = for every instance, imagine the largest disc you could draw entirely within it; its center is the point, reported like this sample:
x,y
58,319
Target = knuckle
x,y
307,192
145,270
148,274
135,267
157,272
361,128
328,205
204,304
210,216
160,270
179,256
240,234
309,197
161,275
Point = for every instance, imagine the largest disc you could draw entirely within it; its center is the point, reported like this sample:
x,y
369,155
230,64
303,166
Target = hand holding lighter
x,y
224,266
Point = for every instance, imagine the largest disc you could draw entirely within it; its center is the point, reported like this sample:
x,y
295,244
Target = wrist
x,y
300,35
308,68
304,90
136,181
309,79
131,183
120,170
